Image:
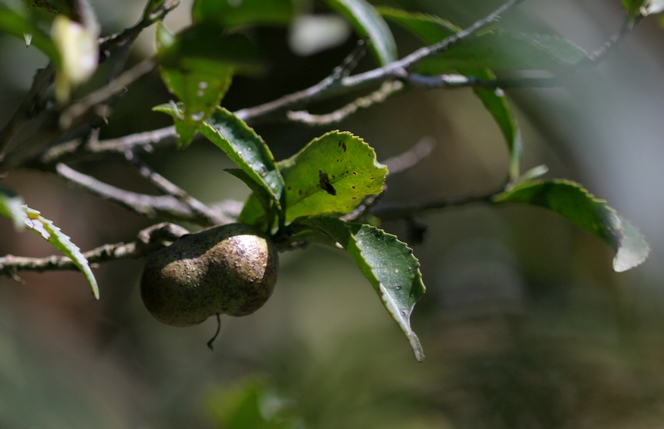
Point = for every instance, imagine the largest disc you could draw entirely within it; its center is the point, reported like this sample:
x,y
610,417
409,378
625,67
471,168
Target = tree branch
x,y
150,206
198,209
149,241
405,211
387,90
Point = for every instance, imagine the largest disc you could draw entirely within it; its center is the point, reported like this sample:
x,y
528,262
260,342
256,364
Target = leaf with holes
x,y
11,206
197,65
388,263
331,175
368,23
43,227
577,205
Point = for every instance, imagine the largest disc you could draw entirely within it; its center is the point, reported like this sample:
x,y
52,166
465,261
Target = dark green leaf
x,y
266,200
368,23
14,23
577,205
244,147
633,7
43,227
388,264
11,206
490,49
236,13
197,66
496,103
432,30
243,406
331,175
501,50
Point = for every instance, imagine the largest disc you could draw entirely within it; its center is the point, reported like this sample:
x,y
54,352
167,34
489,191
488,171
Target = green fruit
x,y
230,269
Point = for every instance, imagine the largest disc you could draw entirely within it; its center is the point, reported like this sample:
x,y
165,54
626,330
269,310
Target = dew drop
x,y
200,93
398,288
403,313
198,116
202,85
263,171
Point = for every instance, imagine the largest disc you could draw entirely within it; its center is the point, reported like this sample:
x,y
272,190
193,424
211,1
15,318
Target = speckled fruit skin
x,y
230,269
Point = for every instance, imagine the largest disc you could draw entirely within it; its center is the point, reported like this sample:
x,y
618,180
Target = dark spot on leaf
x,y
354,173
343,146
289,188
353,187
325,183
299,191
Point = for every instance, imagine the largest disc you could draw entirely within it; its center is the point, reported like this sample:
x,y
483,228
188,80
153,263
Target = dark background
x,y
524,323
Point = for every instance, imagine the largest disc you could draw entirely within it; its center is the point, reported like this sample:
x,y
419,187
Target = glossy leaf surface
x,y
577,205
197,66
389,265
331,175
368,23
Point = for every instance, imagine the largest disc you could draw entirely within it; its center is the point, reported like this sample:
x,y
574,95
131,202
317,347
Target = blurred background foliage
x,y
524,323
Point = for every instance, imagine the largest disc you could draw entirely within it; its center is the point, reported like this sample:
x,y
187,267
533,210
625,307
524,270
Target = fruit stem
x,y
216,334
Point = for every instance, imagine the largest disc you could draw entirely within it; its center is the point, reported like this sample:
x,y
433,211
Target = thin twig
x,y
74,112
410,158
330,87
150,206
610,45
405,211
169,188
461,81
335,84
130,34
30,106
149,241
387,90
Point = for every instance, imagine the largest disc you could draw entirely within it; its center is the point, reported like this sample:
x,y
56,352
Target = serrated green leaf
x,y
43,227
18,25
11,206
496,103
197,66
368,23
244,147
389,265
577,205
331,175
236,13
